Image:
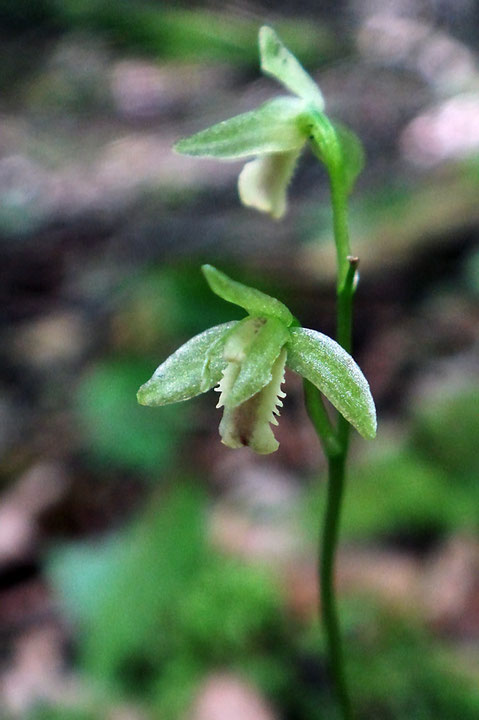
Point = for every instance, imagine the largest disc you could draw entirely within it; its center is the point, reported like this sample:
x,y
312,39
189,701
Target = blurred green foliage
x,y
445,431
471,272
164,304
159,609
169,30
61,713
384,682
423,486
116,430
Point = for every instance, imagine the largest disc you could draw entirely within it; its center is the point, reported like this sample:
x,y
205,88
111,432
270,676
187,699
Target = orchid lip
x,y
249,424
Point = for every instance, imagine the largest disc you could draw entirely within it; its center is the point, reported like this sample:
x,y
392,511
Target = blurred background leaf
x,y
115,428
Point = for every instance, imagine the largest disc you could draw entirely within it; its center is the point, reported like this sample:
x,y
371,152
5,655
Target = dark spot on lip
x,y
245,419
259,322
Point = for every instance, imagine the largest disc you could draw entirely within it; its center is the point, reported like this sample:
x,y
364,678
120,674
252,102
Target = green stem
x,y
336,467
340,229
320,419
337,463
326,147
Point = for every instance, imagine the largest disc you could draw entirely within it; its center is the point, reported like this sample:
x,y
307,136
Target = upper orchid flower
x,y
276,132
246,360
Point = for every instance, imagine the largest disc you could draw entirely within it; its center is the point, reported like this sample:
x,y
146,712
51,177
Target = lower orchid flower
x,y
246,361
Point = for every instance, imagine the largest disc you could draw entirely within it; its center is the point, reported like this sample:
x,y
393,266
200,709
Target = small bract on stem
x,y
245,360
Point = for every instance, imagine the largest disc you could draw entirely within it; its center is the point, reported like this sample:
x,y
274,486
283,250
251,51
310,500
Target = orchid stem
x,y
337,461
336,476
318,415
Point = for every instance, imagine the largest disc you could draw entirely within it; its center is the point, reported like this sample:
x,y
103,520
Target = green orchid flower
x,y
246,361
275,134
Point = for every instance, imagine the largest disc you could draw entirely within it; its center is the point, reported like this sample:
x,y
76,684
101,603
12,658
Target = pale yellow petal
x,y
263,182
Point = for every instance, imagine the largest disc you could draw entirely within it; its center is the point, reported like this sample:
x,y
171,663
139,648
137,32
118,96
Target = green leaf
x,y
280,63
255,302
263,182
181,376
251,349
327,365
276,126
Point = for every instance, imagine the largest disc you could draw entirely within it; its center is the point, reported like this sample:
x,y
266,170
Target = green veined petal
x,y
255,302
251,351
327,365
280,63
182,375
263,182
276,126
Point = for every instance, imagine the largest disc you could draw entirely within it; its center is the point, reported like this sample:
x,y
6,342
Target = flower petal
x,y
253,347
255,302
327,365
193,369
263,182
249,424
276,126
280,63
